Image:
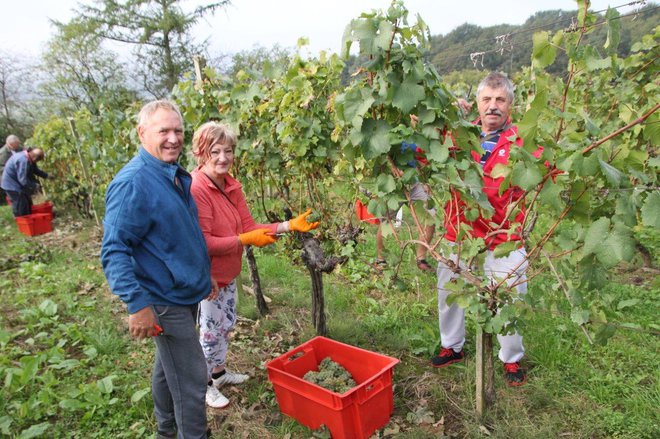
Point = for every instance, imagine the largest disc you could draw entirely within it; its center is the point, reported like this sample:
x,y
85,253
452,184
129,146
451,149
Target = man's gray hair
x,y
497,80
12,138
149,109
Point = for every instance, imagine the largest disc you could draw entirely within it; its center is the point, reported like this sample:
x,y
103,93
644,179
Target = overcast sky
x,y
246,24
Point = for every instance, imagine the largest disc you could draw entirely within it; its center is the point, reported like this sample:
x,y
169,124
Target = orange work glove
x,y
300,224
258,237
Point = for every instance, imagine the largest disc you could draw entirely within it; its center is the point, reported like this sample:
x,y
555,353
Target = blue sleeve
x,y
126,222
22,173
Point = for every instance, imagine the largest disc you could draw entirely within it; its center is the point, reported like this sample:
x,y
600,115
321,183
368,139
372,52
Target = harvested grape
x,y
332,376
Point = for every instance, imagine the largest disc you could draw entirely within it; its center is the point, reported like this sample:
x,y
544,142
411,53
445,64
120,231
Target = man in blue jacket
x,y
155,259
18,179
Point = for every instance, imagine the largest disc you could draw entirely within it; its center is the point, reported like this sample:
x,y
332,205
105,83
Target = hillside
x,y
452,51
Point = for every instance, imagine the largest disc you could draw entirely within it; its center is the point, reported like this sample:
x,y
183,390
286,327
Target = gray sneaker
x,y
230,378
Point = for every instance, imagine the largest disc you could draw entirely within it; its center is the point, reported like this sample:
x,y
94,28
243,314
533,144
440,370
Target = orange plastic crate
x,y
355,414
35,224
46,207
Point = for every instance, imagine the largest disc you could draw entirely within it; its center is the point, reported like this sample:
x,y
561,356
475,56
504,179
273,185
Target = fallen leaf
x,y
392,430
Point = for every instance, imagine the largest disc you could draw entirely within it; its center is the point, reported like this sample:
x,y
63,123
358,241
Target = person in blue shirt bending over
x,y
18,179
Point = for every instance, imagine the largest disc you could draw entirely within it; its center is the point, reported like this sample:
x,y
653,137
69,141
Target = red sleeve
x,y
216,245
246,218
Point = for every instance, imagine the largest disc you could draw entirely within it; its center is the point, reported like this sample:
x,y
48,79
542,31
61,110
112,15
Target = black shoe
x,y
514,375
447,357
423,265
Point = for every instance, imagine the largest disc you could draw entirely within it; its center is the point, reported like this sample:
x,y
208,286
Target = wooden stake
x,y
485,380
199,63
88,180
256,280
479,382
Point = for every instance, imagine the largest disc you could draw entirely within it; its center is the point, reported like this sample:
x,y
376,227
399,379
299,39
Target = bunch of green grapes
x,y
331,376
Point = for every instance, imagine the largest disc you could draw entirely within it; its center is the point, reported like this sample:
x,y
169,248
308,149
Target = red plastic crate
x,y
35,224
45,207
355,414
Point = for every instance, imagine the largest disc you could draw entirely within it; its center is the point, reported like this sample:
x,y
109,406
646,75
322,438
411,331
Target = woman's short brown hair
x,y
208,135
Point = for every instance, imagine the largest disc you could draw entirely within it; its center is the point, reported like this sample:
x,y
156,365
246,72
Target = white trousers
x,y
452,318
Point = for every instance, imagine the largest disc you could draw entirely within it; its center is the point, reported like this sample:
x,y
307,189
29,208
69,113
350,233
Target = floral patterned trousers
x,y
216,320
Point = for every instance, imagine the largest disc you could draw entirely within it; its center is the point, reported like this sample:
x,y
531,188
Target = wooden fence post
x,y
200,63
485,379
479,382
88,179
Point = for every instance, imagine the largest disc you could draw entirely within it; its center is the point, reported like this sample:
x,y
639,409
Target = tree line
x,y
512,50
80,66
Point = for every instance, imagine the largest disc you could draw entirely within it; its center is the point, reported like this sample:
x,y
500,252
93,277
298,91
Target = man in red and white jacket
x,y
494,101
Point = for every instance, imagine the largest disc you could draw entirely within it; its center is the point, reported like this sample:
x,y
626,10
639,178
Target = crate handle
x,y
370,389
298,354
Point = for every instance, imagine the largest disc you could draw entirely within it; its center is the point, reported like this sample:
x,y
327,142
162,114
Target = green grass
x,y
68,368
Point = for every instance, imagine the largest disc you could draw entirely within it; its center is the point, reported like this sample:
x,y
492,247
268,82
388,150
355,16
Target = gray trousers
x,y
178,382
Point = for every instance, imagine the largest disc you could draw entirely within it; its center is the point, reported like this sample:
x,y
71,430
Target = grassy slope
x,y
73,372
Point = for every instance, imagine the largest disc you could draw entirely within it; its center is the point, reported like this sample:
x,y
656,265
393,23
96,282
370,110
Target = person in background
x,y
227,226
19,179
420,192
498,136
154,258
12,146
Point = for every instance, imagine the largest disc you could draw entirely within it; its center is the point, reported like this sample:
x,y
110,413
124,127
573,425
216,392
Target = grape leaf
x,y
526,177
651,210
597,230
543,53
407,95
612,174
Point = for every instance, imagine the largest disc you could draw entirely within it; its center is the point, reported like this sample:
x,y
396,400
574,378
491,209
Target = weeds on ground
x,y
69,369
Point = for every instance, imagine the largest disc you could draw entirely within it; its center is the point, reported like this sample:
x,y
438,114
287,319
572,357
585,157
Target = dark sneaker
x,y
423,265
447,357
380,264
514,375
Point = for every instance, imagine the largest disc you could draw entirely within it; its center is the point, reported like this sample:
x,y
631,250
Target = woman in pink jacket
x,y
227,226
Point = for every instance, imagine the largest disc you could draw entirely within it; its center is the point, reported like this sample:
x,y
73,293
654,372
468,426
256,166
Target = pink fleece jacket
x,y
222,219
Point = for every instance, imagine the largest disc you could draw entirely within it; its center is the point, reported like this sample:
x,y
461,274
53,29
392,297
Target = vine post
x,y
262,306
83,165
485,372
199,63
